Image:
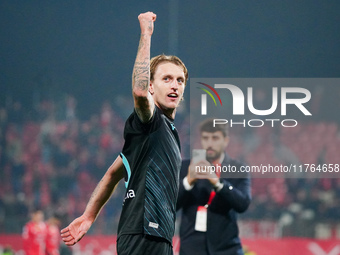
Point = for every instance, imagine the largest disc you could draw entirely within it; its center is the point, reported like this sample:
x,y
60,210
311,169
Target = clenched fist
x,y
146,21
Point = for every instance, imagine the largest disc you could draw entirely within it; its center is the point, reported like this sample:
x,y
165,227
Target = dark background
x,y
67,66
87,48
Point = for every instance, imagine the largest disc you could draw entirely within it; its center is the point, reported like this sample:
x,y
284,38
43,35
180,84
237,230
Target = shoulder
x,y
234,166
135,124
232,161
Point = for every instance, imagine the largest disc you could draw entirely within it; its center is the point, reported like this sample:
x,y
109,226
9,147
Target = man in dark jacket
x,y
212,192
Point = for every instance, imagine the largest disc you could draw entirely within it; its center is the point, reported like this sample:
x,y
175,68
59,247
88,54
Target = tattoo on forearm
x,y
141,70
141,75
141,84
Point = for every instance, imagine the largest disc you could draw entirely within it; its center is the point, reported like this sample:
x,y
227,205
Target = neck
x,y
170,113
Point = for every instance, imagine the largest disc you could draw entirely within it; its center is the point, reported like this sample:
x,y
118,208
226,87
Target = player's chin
x,y
172,105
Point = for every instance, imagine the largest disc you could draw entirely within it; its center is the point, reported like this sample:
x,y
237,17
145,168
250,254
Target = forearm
x,y
141,69
141,79
104,189
143,100
238,197
185,195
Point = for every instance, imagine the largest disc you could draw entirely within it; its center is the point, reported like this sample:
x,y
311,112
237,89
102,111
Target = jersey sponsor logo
x,y
130,194
153,224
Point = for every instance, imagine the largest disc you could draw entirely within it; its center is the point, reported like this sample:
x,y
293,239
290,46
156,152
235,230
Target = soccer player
x,y
151,157
34,234
52,236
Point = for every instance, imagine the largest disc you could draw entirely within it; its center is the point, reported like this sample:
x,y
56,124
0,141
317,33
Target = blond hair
x,y
155,61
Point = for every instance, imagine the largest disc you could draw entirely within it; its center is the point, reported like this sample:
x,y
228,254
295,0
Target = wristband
x,y
218,186
186,184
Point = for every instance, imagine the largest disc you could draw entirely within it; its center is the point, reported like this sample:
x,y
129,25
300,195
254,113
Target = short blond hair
x,y
155,61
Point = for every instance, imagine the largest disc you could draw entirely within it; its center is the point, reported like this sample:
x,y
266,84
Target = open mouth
x,y
173,95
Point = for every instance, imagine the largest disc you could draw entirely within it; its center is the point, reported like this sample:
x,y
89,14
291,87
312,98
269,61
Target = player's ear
x,y
182,99
151,90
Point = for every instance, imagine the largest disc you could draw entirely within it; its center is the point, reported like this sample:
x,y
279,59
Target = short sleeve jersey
x,y
152,160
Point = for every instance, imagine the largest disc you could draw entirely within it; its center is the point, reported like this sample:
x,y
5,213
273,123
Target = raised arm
x,y
143,101
105,188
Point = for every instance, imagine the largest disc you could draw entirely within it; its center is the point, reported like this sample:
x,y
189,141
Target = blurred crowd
x,y
52,159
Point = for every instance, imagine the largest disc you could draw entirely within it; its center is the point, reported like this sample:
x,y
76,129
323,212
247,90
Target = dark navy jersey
x,y
152,159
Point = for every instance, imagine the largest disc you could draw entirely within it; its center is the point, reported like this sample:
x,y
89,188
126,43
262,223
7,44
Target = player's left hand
x,y
74,232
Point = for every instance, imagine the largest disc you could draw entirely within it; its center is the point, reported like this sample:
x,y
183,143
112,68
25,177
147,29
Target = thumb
x,y
154,16
80,236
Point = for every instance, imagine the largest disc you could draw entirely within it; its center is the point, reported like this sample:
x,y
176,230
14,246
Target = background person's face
x,y
214,144
38,216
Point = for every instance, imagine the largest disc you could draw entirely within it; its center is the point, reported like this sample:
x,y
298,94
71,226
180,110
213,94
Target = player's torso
x,y
154,162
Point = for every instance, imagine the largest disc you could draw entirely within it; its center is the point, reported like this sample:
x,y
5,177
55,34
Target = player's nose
x,y
174,84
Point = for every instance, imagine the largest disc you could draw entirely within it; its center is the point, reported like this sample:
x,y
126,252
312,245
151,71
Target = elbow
x,y
140,88
111,176
140,98
243,206
140,95
116,171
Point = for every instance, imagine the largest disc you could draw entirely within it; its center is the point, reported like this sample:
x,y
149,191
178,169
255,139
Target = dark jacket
x,y
222,230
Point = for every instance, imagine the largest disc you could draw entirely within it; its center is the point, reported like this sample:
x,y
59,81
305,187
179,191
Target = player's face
x,y
168,85
38,216
214,144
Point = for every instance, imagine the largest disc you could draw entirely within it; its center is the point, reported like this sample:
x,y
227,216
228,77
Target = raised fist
x,y
146,21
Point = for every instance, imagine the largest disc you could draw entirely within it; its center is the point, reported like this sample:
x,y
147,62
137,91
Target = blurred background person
x,y
53,236
34,234
211,201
